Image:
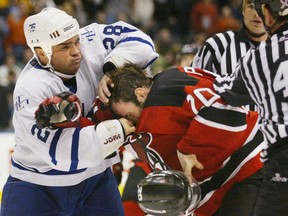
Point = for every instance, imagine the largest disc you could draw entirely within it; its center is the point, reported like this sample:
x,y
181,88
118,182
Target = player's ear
x,y
141,94
39,52
41,55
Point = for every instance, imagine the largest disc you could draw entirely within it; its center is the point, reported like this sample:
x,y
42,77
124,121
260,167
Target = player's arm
x,y
211,127
205,58
186,153
125,44
82,140
232,88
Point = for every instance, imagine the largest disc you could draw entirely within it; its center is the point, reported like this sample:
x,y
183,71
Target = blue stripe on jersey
x,y
149,63
74,150
71,84
52,150
128,30
128,39
50,172
72,89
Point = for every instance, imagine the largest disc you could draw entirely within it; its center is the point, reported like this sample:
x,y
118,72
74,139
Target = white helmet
x,y
48,28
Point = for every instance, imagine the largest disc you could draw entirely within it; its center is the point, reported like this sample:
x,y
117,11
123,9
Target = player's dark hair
x,y
126,79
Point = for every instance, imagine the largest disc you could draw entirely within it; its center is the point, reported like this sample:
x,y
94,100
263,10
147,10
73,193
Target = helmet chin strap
x,y
61,75
48,52
268,29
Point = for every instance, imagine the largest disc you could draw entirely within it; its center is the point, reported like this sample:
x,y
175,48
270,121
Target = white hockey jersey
x,y
66,157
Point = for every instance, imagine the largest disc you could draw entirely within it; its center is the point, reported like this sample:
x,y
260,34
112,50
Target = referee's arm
x,y
232,90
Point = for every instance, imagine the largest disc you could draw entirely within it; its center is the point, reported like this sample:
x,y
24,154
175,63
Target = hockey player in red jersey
x,y
193,130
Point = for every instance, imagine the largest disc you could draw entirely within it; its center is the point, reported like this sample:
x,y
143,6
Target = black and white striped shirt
x,y
262,74
222,51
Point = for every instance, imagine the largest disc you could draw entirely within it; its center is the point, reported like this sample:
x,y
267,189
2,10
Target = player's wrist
x,y
110,135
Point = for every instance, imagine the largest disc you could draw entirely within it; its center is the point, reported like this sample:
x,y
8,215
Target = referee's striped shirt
x,y
264,72
221,52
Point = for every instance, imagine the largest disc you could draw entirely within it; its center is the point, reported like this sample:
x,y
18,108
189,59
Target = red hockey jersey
x,y
183,111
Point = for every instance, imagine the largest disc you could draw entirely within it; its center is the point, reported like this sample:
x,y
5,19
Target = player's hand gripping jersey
x,y
43,156
183,112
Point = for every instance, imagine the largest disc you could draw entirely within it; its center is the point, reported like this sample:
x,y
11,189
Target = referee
x,y
222,51
220,55
261,77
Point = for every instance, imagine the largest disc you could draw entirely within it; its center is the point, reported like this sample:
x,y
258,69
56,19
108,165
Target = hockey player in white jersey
x,y
66,171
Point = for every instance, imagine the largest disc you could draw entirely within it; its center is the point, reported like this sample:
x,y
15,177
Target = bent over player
x,y
66,171
216,143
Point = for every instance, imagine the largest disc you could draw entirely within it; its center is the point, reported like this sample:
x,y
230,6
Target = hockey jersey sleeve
x,y
209,56
204,58
126,43
68,149
216,130
232,88
215,53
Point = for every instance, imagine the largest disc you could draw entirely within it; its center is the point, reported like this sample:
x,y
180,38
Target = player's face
x,y
66,57
252,21
128,110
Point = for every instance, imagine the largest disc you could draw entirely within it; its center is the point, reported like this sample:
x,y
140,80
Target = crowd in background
x,y
170,23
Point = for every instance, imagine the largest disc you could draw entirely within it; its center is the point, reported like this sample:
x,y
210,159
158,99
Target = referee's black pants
x,y
272,198
241,198
263,194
